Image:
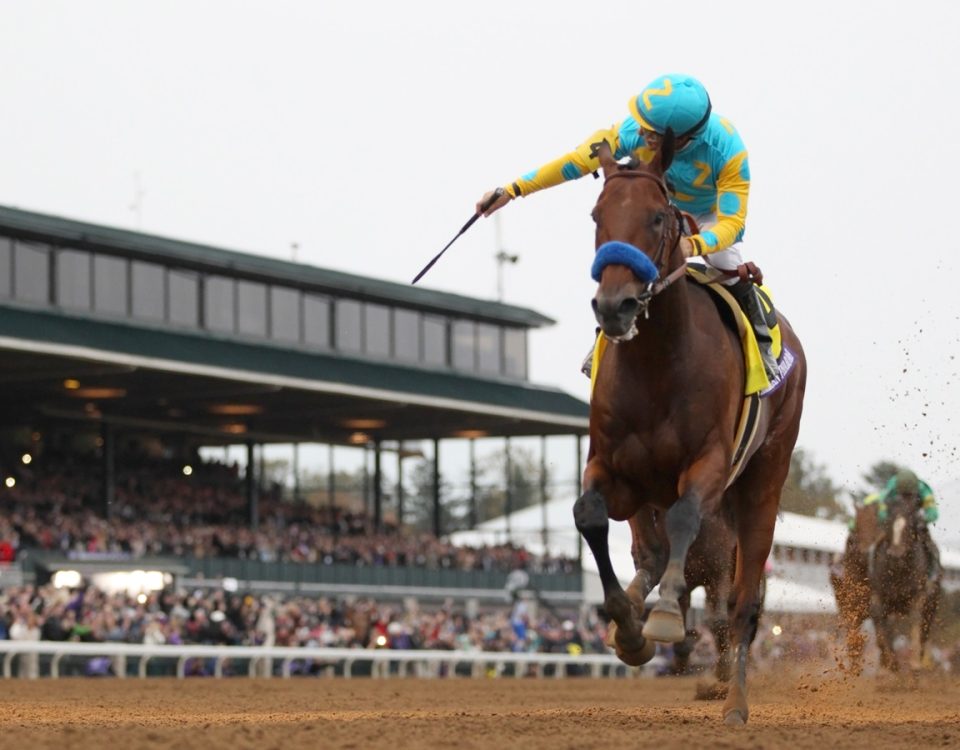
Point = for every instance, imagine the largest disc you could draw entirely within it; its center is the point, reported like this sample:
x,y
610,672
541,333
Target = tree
x,y
418,500
809,491
880,474
524,482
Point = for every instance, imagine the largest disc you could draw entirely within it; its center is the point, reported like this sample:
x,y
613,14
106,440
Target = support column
x,y
108,454
400,485
544,531
377,489
436,488
296,473
367,510
250,480
474,500
331,479
508,490
578,486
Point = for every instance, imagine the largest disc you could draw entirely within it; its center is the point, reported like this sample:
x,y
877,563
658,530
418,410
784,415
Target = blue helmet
x,y
675,101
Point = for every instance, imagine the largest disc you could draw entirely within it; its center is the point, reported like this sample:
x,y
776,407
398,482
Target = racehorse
x,y
663,415
884,574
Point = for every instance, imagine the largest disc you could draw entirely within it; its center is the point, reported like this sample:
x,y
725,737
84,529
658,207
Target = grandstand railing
x,y
382,662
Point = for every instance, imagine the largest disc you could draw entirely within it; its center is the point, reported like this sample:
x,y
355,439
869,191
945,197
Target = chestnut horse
x,y
663,417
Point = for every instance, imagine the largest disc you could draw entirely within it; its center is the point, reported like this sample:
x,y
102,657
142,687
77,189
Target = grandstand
x,y
118,347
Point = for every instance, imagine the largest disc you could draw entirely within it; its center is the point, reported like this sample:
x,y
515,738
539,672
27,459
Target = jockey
x,y
709,177
906,486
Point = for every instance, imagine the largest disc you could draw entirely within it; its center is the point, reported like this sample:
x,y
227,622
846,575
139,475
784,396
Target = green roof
x,y
58,230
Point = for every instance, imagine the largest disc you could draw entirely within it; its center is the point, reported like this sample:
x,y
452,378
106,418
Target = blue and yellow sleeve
x,y
733,189
571,166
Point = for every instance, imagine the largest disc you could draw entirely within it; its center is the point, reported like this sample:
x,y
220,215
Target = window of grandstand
x,y
251,308
316,321
285,315
73,280
515,352
109,285
183,290
147,290
348,317
31,272
435,342
218,304
6,267
406,335
488,349
463,334
376,325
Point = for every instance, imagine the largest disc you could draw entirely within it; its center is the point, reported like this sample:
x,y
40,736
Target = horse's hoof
x,y
637,657
665,627
629,653
611,638
734,718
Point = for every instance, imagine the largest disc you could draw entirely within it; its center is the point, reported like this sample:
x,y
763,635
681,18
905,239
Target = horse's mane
x,y
634,163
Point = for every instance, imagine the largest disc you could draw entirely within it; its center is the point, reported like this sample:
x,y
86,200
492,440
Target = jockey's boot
x,y
745,293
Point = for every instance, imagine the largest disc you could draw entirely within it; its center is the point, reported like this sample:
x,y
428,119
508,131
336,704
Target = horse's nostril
x,y
594,304
629,306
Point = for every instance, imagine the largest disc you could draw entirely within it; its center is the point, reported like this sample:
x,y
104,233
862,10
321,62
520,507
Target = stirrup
x,y
770,361
587,366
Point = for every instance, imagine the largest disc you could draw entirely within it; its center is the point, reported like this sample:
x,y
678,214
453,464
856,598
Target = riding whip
x,y
484,206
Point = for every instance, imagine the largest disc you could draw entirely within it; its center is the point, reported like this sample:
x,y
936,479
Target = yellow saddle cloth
x,y
756,379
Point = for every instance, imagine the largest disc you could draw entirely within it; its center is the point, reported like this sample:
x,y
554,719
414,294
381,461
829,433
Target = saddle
x,y
756,380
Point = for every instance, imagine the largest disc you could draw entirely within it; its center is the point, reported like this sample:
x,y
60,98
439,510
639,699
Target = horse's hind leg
x,y
592,520
754,538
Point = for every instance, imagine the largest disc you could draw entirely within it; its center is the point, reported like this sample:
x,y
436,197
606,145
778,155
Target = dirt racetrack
x,y
802,712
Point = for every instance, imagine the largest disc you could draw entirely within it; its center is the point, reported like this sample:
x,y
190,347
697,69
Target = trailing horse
x,y
664,413
883,575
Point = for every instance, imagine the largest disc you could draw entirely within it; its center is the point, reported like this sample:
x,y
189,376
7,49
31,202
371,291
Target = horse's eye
x,y
658,218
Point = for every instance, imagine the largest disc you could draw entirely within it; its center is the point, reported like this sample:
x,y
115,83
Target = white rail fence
x,y
261,660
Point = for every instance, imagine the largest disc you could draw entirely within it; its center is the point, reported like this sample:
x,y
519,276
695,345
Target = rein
x,y
655,287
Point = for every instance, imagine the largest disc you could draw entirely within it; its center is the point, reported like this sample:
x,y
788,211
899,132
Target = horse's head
x,y
638,235
902,526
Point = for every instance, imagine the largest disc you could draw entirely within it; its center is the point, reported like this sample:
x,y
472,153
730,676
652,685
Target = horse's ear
x,y
607,163
664,156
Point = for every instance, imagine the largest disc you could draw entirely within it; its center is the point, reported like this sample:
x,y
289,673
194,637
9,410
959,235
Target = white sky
x,y
365,132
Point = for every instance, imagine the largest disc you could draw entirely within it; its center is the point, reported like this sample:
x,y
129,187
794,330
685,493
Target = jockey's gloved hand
x,y
931,514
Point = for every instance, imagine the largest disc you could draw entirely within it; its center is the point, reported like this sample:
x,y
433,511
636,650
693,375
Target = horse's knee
x,y
590,512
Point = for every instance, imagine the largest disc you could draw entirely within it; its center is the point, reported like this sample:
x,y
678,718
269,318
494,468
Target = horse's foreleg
x,y
592,520
665,622
884,634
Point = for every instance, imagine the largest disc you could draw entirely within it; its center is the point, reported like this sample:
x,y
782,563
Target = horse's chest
x,y
643,460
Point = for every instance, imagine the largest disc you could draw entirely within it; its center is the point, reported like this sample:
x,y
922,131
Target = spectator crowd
x,y
158,513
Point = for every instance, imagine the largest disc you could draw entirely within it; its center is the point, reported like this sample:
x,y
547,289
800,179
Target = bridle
x,y
660,255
